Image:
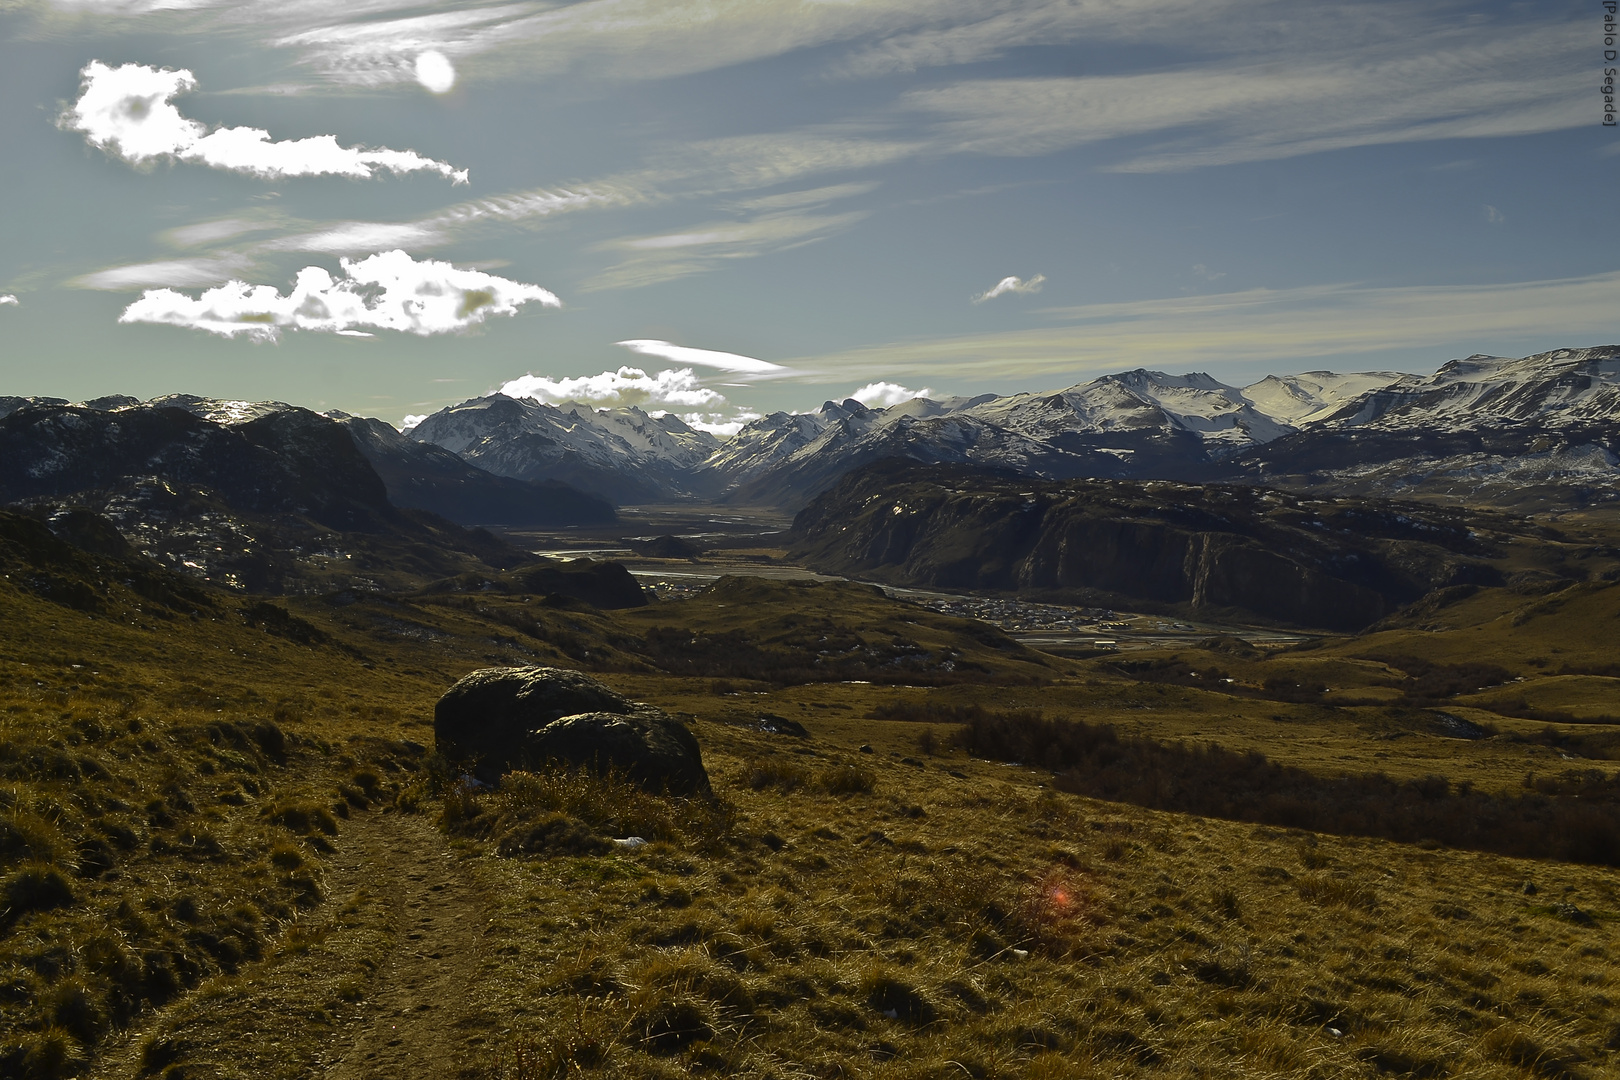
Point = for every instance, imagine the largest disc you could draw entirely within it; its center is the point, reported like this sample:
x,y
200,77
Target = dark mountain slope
x,y
1326,563
280,501
429,477
287,462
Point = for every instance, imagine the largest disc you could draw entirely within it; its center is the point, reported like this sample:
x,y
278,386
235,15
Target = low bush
x,y
1574,817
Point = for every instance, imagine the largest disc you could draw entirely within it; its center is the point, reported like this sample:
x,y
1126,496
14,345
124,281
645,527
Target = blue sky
x,y
386,207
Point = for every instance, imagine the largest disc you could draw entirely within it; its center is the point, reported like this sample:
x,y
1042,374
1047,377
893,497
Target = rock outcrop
x,y
500,719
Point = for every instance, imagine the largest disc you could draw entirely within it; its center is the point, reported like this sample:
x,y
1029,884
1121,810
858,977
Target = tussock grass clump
x,y
846,780
1338,892
779,773
302,816
557,810
786,775
34,887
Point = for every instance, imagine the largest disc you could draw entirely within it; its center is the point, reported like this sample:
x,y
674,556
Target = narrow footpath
x,y
386,980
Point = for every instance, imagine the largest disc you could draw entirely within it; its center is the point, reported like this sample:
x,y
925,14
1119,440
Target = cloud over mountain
x,y
129,111
386,291
677,389
880,395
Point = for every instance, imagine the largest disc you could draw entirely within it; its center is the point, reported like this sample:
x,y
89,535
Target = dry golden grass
x,y
200,880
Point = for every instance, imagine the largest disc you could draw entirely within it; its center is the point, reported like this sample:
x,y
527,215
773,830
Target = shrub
x,y
1574,816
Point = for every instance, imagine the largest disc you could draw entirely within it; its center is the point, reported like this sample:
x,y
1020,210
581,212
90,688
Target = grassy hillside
x,y
226,851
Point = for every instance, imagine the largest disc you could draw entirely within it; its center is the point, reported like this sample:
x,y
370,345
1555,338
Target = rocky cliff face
x,y
1211,550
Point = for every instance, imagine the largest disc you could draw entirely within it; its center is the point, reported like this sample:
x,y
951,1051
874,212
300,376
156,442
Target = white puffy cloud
x,y
881,395
1011,285
386,291
411,420
670,390
733,363
8,298
129,111
722,425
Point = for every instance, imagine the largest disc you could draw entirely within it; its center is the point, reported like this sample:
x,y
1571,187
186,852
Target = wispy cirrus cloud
x,y
388,291
1444,85
1295,326
173,273
717,167
647,260
1011,285
129,111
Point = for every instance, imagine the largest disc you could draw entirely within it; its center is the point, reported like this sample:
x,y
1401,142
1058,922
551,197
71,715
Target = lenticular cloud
x,y
129,111
386,291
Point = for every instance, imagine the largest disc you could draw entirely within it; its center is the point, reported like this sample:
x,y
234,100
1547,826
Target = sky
x,y
722,208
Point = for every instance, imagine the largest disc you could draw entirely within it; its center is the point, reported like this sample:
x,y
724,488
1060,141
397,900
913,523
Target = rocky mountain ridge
x,y
1484,428
265,496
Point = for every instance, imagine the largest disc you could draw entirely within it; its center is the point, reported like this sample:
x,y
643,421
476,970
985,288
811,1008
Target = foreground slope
x,y
235,859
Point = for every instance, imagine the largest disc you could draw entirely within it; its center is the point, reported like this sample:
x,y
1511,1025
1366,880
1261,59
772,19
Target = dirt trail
x,y
386,980
422,1017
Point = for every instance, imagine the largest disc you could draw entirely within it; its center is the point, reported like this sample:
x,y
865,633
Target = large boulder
x,y
485,717
500,719
647,746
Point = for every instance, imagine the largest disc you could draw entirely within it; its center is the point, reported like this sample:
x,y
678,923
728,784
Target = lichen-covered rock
x,y
485,718
499,719
647,746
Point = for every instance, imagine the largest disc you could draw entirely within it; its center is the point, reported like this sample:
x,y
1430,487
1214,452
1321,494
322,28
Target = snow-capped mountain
x,y
621,454
1549,419
1534,429
1554,389
256,452
1302,400
1138,423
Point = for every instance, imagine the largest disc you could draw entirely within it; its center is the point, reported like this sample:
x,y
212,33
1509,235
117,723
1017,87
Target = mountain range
x,y
254,492
1484,428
